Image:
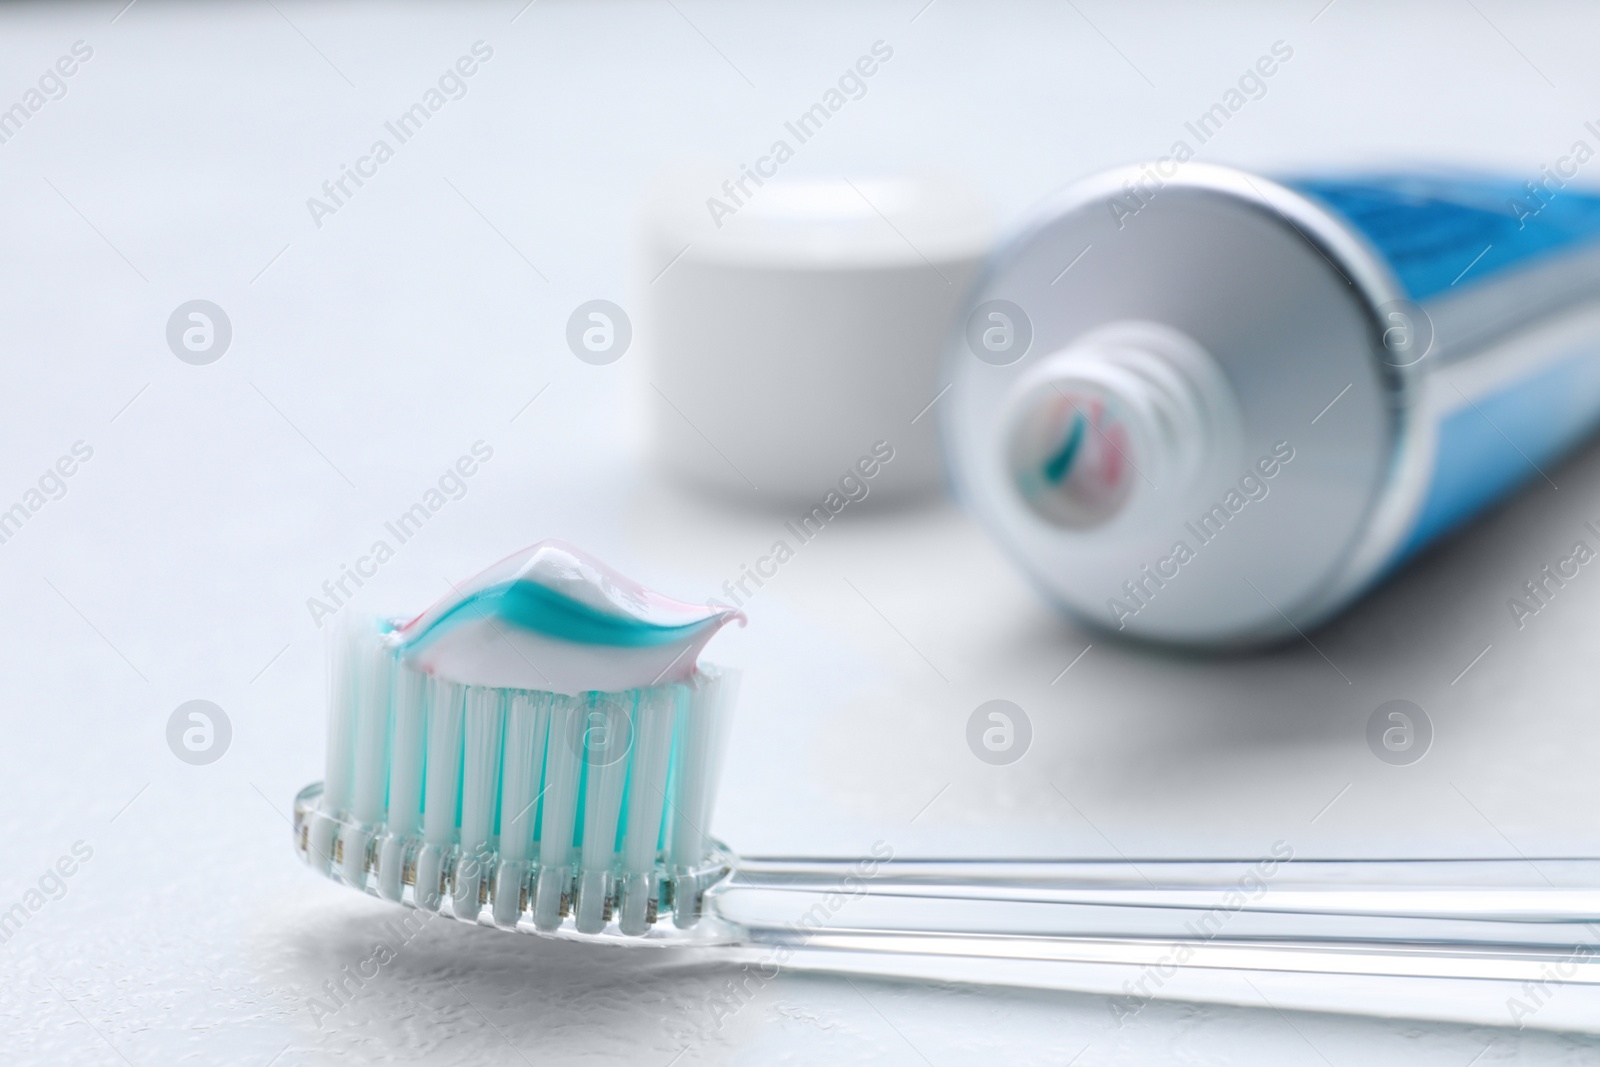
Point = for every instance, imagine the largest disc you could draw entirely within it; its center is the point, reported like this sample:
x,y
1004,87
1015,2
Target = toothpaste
x,y
555,619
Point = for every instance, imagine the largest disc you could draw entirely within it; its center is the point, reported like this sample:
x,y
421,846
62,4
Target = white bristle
x,y
647,797
370,780
408,750
443,775
371,668
484,722
608,738
699,747
521,770
563,774
342,711
579,807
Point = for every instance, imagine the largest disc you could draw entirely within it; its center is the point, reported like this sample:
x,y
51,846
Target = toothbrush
x,y
538,751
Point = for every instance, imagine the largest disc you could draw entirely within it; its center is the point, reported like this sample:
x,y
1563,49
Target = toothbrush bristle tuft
x,y
578,813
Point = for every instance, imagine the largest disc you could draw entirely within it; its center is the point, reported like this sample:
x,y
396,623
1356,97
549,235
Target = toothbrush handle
x,y
1035,923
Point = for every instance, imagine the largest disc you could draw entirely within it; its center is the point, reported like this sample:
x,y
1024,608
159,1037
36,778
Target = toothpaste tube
x,y
1206,408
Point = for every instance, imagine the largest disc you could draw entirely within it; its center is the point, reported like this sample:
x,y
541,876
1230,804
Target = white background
x,y
369,353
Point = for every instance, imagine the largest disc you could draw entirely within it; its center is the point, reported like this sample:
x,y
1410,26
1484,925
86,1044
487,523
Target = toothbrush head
x,y
660,906
565,811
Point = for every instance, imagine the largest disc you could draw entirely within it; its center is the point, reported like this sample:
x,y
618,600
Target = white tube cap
x,y
791,324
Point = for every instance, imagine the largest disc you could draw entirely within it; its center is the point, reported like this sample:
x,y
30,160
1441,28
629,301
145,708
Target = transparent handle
x,y
1033,923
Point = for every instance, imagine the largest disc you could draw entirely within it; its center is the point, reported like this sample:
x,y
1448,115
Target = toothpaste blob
x,y
554,618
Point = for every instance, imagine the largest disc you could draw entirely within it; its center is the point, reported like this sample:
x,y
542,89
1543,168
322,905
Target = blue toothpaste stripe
x,y
1058,465
531,606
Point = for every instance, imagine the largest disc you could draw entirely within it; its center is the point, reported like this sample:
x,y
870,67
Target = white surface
x,y
370,353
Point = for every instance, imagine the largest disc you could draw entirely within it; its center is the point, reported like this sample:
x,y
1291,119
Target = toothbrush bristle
x,y
516,806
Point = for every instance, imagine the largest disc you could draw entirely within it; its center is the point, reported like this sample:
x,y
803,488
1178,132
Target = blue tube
x,y
1455,237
